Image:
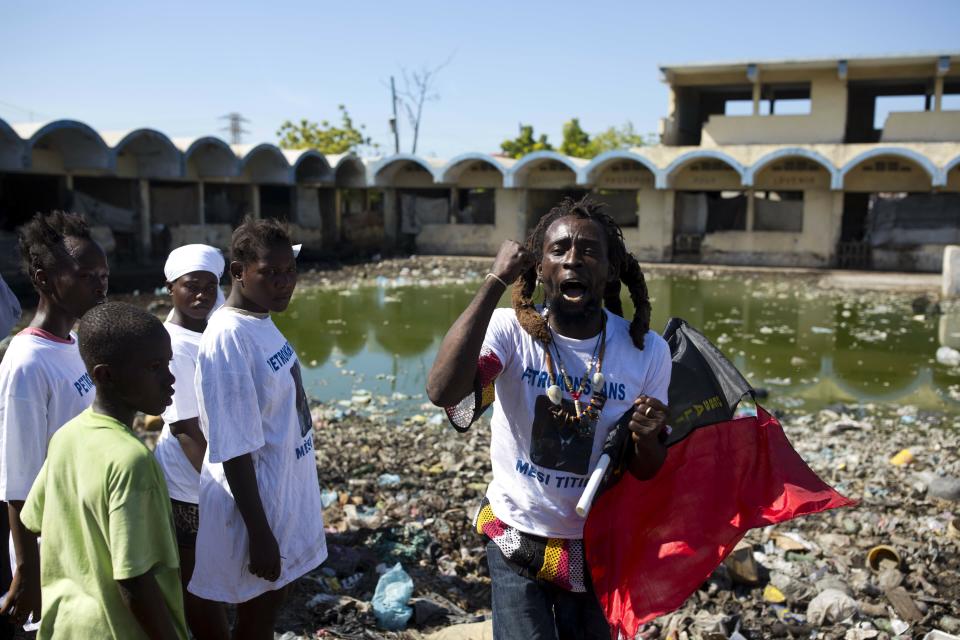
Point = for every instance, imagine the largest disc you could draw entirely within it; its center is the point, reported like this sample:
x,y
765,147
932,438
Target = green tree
x,y
525,143
324,137
625,137
576,141
579,144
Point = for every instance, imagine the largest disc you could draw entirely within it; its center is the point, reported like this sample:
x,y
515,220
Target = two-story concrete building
x,y
833,162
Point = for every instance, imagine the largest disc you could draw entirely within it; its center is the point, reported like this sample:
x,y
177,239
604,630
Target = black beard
x,y
566,317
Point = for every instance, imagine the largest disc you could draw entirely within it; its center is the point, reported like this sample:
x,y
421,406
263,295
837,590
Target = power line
x,y
235,128
31,113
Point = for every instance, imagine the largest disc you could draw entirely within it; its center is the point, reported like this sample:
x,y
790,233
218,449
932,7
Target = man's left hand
x,y
649,421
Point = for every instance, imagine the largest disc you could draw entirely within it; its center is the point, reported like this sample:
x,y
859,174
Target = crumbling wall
x,y
174,203
926,258
308,207
363,231
652,239
215,235
311,239
458,239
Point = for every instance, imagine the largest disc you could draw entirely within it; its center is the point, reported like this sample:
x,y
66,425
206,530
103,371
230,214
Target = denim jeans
x,y
525,609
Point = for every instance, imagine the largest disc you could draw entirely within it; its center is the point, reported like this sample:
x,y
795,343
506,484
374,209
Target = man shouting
x,y
559,374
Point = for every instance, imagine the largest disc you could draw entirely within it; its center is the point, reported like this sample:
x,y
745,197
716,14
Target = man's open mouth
x,y
573,290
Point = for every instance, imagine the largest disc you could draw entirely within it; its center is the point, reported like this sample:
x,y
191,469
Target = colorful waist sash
x,y
559,561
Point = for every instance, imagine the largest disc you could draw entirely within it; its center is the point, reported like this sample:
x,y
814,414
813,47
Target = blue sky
x,y
177,66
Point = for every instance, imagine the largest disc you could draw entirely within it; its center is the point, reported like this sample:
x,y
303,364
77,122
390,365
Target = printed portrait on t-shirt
x,y
303,407
556,444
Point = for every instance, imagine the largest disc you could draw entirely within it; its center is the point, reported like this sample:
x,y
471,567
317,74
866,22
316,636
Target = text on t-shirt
x,y
280,358
83,385
540,379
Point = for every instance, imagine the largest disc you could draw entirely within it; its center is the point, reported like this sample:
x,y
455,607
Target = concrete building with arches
x,y
815,163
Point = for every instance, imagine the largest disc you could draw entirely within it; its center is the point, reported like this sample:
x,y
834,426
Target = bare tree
x,y
419,87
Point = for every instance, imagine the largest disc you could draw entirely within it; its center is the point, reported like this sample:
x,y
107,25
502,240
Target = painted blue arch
x,y
520,169
936,178
443,174
790,152
374,170
588,175
699,154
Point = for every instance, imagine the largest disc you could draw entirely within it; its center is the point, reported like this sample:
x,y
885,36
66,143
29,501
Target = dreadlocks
x,y
624,264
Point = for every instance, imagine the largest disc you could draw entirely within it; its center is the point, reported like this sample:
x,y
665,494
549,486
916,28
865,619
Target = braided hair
x,y
623,263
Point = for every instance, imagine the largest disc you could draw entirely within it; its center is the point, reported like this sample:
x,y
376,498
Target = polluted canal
x,y
867,385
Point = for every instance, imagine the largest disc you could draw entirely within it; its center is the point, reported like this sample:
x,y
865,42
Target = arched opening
x,y
782,190
710,198
265,164
624,185
210,158
548,178
358,209
11,149
474,181
146,153
417,199
21,194
892,214
66,146
952,175
267,168
313,197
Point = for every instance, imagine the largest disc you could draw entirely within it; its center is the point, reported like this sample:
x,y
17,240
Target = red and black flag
x,y
651,544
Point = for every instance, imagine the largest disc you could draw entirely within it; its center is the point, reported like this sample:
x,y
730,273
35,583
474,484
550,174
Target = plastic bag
x,y
390,599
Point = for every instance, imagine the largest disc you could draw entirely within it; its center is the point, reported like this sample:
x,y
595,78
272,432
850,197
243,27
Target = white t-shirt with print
x,y
252,401
539,468
43,385
183,480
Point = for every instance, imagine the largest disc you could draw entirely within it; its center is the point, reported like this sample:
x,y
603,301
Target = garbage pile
x,y
398,495
888,567
412,270
401,491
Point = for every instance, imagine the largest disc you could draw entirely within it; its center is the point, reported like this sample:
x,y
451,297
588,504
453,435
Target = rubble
x,y
398,485
405,492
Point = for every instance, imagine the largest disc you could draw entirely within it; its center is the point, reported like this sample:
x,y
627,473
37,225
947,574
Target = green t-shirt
x,y
101,505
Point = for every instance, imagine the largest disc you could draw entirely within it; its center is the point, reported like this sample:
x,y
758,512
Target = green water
x,y
809,348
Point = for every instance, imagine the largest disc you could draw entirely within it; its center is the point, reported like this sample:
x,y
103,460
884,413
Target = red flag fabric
x,y
650,544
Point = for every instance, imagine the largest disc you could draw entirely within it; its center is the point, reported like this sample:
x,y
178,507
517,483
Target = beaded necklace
x,y
582,419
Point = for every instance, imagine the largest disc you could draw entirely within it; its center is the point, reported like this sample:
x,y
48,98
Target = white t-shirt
x,y
43,385
183,480
9,309
539,468
252,401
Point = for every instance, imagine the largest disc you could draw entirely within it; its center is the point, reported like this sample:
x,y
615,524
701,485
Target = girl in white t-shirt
x,y
193,274
43,382
261,524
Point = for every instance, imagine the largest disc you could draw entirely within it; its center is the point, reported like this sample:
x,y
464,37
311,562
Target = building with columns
x,y
813,163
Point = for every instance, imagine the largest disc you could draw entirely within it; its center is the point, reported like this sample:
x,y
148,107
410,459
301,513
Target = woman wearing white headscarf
x,y
193,275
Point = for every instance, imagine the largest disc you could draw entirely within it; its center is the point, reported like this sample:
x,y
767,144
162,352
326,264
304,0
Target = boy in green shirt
x,y
109,567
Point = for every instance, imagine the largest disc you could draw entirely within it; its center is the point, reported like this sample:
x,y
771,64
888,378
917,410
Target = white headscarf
x,y
196,257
